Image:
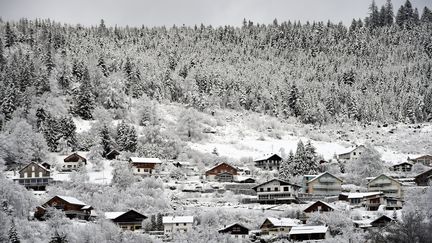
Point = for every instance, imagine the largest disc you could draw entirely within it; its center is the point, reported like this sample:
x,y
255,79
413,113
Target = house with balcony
x,y
268,162
236,231
402,167
387,185
72,207
277,191
222,172
73,162
425,160
34,176
352,155
130,220
144,166
278,226
177,224
324,184
309,233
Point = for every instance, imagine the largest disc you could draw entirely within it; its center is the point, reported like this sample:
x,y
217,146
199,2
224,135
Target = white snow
x,y
72,200
145,160
297,230
284,222
113,215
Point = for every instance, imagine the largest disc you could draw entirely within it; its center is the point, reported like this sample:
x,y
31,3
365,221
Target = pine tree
x,y
10,36
159,222
9,102
68,132
153,223
2,58
122,130
106,140
85,99
58,238
311,159
52,133
374,16
299,165
132,141
101,64
293,100
406,15
284,170
13,235
426,16
389,15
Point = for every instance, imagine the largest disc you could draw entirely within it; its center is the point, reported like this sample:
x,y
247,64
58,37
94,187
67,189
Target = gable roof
x,y
426,156
71,200
318,176
219,164
177,219
227,227
307,229
423,173
319,201
73,155
282,222
34,163
281,182
384,176
382,217
115,215
351,195
267,156
405,162
360,146
145,160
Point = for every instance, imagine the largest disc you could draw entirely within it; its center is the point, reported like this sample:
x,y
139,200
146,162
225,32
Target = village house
x,y
424,179
73,162
34,176
309,233
130,220
352,155
278,226
245,179
72,207
381,221
402,167
318,206
236,230
222,172
113,154
360,198
268,162
277,191
425,160
244,171
144,166
324,184
177,224
389,186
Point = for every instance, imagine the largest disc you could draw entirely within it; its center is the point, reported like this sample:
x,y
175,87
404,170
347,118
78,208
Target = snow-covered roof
x,y
350,150
318,176
389,177
113,215
405,162
218,164
282,182
283,222
360,194
145,160
72,200
228,226
299,230
242,178
43,167
266,157
177,219
243,168
328,205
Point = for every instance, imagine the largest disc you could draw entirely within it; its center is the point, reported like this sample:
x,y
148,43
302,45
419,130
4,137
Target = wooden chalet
x,y
381,221
144,166
113,154
402,167
72,207
34,176
236,230
277,191
309,233
325,184
352,155
73,162
278,226
424,179
386,184
425,160
268,162
130,220
318,206
222,172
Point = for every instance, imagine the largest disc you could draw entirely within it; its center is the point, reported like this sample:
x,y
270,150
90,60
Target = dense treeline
x,y
377,69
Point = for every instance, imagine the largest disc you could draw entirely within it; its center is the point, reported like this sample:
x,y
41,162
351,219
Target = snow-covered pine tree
x,y
121,139
85,99
285,167
2,58
58,238
132,139
68,132
13,235
299,166
293,100
311,155
106,140
8,103
9,36
159,222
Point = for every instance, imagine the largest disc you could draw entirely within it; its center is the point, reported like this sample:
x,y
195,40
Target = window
x,y
286,189
261,189
69,166
276,189
177,224
268,189
354,153
184,224
138,170
40,174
